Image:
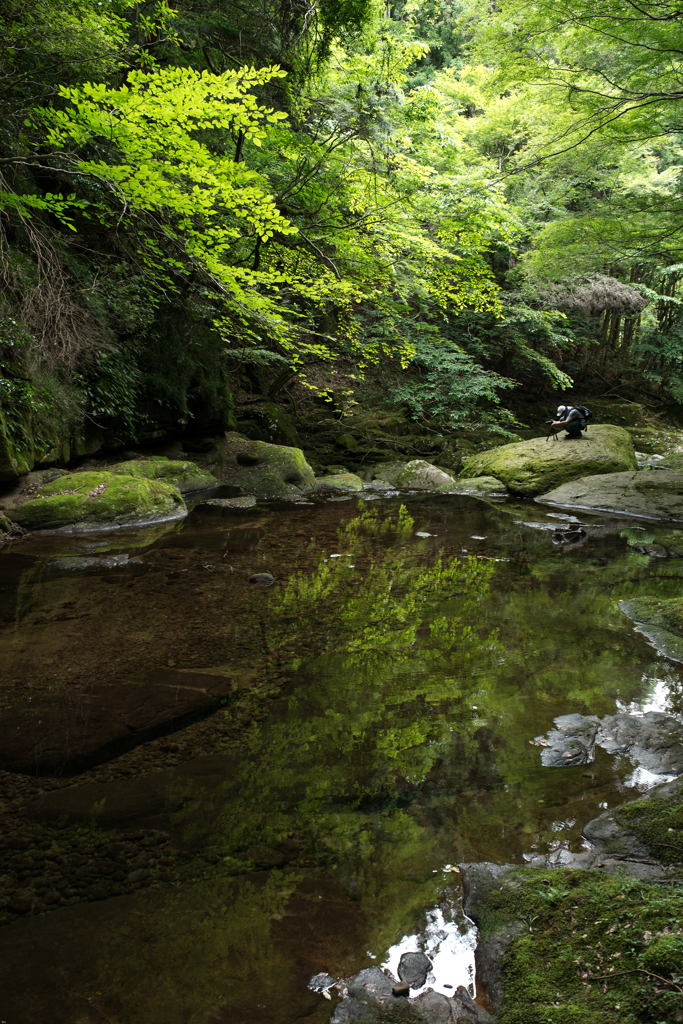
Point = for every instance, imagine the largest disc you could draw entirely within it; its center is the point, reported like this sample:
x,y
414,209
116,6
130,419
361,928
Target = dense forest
x,y
429,217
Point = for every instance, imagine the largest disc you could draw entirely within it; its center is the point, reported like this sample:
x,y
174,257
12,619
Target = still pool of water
x,y
215,790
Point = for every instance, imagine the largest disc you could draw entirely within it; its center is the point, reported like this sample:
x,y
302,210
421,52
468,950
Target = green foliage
x,y
451,386
112,386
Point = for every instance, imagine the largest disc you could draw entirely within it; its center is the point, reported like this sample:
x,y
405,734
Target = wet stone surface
x,y
653,741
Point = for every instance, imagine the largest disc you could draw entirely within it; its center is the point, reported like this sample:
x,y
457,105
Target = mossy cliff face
x,y
21,449
98,500
185,476
266,470
533,467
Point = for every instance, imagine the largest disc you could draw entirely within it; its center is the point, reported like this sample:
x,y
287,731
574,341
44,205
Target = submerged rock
x,y
339,482
652,495
653,741
75,565
246,501
265,470
100,500
535,466
186,476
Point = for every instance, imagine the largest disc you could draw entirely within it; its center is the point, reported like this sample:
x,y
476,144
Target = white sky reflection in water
x,y
656,697
642,779
448,940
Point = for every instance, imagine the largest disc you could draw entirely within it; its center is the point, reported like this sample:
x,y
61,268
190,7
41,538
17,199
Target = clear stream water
x,y
453,633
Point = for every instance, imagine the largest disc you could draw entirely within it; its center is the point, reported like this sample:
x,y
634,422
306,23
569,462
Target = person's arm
x,y
574,414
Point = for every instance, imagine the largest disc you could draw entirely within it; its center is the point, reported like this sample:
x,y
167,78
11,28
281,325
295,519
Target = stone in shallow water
x,y
339,482
535,466
262,579
417,474
266,470
186,476
68,565
247,501
650,495
477,485
414,968
86,501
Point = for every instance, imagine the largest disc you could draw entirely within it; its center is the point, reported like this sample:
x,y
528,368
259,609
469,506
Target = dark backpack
x,y
586,415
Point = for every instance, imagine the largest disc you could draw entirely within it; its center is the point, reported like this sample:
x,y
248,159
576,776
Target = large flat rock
x,y
651,495
539,465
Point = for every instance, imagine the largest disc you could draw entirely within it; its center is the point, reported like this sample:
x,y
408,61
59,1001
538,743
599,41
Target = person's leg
x,y
573,431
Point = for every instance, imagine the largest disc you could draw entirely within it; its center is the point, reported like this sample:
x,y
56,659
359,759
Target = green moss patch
x,y
588,950
658,823
266,470
186,476
532,467
339,482
96,500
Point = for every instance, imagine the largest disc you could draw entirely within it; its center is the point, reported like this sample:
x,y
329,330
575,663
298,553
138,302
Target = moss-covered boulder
x,y
186,476
343,482
652,495
417,474
535,466
98,500
266,470
477,485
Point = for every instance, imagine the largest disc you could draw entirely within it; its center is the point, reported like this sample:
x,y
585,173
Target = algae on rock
x,y
95,500
532,467
186,476
266,470
417,474
477,485
344,482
